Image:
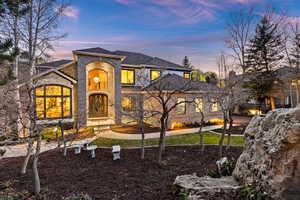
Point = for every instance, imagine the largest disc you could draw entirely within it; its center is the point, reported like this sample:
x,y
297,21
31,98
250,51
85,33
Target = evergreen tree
x,y
186,63
295,51
265,50
6,44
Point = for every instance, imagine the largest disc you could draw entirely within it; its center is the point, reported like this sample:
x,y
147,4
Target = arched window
x,y
98,105
53,101
97,79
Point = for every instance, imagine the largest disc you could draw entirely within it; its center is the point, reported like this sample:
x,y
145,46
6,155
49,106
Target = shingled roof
x,y
172,82
131,58
55,64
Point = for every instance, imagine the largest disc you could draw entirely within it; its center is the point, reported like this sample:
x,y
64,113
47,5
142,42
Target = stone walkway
x,y
20,150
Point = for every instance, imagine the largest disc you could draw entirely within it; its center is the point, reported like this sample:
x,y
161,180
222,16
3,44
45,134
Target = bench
x,y
116,152
92,148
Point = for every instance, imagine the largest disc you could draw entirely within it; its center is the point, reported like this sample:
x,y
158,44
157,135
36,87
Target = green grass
x,y
209,138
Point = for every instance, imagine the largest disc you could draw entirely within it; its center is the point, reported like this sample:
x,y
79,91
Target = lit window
x,y
187,75
128,103
154,74
127,76
214,107
180,109
97,80
53,101
199,104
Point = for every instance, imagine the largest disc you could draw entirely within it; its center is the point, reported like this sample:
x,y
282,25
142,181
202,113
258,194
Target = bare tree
x,y
199,106
37,32
162,93
240,29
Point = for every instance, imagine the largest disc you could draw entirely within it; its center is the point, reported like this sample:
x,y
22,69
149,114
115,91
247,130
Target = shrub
x,y
3,81
251,193
2,152
80,196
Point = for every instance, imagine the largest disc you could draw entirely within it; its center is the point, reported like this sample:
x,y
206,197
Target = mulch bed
x,y
235,130
126,179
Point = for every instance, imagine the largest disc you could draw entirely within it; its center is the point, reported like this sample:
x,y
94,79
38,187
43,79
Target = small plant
x,y
214,173
2,152
80,196
251,193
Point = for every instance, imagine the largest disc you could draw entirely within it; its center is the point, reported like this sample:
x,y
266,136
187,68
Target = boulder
x,y
271,156
192,187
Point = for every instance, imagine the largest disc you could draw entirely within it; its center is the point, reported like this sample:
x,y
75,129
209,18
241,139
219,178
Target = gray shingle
x,y
55,64
97,50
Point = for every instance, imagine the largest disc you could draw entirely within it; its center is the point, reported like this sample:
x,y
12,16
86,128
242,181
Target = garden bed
x,y
102,178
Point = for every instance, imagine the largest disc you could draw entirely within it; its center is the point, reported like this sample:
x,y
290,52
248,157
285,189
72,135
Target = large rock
x,y
271,158
193,187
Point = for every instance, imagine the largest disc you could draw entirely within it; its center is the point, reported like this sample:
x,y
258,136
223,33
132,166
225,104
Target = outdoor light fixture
x,y
96,79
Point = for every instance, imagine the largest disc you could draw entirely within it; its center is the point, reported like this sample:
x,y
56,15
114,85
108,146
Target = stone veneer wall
x,y
82,86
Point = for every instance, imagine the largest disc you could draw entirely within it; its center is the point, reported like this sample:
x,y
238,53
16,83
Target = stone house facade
x,y
98,87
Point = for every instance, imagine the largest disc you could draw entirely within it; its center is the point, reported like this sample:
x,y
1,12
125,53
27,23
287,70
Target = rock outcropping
x,y
271,158
192,187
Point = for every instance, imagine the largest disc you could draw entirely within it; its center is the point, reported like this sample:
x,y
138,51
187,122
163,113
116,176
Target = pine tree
x,y
264,51
295,51
186,63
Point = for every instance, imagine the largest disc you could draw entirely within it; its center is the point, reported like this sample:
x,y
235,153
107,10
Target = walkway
x,y
122,136
21,149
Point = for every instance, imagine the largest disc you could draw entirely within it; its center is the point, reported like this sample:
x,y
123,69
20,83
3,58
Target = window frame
x,y
211,106
154,70
196,104
133,99
184,103
45,96
127,69
187,73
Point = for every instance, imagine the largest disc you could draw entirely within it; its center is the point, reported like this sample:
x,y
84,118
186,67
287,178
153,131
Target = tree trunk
x,y
230,128
161,139
27,157
35,173
142,142
222,140
63,138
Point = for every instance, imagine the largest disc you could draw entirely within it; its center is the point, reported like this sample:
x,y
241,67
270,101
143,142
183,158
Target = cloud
x,y
184,11
71,12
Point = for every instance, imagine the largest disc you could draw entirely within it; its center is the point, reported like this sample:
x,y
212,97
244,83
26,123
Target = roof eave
x,y
99,55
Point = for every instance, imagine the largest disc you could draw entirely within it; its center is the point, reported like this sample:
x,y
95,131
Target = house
x,y
98,86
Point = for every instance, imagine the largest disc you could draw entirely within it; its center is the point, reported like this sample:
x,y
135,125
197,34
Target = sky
x,y
169,29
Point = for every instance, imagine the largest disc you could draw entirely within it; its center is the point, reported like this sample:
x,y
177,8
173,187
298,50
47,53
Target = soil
x,y
235,130
125,179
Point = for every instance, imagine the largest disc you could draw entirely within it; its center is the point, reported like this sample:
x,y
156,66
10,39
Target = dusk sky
x,y
170,29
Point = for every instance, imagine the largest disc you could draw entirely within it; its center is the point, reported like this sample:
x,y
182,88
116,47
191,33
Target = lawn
x,y
209,138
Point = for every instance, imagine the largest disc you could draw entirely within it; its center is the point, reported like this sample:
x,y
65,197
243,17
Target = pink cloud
x,y
71,12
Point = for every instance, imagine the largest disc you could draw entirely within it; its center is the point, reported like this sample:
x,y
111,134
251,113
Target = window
x,y
97,80
128,103
53,101
98,105
180,109
199,104
154,74
128,76
214,107
186,75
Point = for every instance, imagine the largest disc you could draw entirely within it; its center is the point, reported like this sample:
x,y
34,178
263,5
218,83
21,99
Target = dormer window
x,y
154,74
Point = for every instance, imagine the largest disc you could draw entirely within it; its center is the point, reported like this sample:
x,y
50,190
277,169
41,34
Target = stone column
x,y
81,95
118,106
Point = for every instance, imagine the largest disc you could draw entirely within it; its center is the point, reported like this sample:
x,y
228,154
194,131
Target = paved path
x,y
20,150
123,136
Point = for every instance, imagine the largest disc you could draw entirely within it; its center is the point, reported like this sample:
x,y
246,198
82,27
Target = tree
x,y
239,28
162,93
186,63
265,50
211,77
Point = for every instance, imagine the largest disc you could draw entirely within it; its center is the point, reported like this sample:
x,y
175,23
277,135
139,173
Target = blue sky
x,y
170,29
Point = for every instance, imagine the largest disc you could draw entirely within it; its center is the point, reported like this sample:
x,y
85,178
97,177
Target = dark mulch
x,y
102,178
134,129
235,130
